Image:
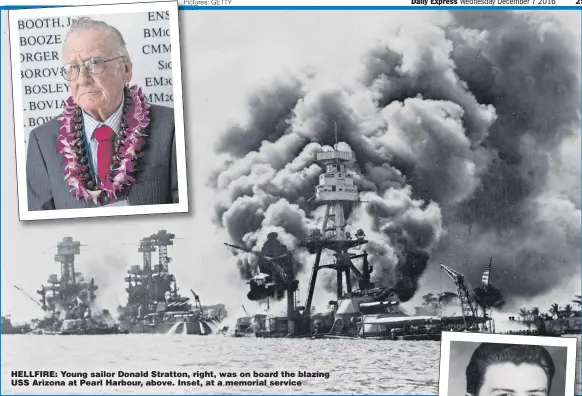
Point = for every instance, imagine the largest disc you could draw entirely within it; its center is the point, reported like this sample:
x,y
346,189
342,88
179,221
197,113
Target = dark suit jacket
x,y
156,180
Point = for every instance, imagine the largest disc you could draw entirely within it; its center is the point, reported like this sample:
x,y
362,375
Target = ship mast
x,y
148,284
162,239
69,289
337,191
146,247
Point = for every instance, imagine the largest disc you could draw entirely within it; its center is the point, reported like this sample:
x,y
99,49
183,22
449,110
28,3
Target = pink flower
x,y
132,123
139,144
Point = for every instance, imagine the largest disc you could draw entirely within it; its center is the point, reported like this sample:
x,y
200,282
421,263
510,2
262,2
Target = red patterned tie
x,y
104,135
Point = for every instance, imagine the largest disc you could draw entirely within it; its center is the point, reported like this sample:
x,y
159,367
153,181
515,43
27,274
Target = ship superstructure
x,y
337,191
69,300
67,295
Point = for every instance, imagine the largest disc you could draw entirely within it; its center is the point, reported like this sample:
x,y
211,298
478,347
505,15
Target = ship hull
x,y
94,331
271,334
189,328
6,330
241,334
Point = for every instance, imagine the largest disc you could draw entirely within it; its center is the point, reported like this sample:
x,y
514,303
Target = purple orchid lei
x,y
71,145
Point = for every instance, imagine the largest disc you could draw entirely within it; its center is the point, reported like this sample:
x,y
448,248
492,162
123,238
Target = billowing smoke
x,y
108,273
456,128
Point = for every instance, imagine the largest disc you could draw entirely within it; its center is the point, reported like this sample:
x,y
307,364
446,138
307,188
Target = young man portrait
x,y
509,370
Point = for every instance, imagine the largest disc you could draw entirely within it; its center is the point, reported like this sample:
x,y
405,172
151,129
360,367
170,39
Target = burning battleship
x,y
367,310
68,300
154,303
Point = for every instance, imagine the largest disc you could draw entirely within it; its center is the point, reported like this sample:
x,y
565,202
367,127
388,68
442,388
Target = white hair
x,y
84,23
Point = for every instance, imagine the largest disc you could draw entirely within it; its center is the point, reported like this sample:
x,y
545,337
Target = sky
x,y
226,56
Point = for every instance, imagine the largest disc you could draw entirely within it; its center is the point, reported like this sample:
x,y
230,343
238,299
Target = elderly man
x,y
109,146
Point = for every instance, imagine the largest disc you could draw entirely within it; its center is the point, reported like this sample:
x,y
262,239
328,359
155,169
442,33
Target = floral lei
x,y
128,149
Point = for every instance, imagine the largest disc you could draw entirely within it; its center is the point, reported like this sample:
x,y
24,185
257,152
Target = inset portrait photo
x,y
98,113
482,364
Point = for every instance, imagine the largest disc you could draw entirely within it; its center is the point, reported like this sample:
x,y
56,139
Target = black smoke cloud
x,y
455,128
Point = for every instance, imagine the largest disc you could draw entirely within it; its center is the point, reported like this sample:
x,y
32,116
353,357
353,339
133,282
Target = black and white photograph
x,y
98,110
494,364
362,182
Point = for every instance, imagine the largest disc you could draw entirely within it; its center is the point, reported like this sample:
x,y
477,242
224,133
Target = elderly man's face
x,y
97,94
508,379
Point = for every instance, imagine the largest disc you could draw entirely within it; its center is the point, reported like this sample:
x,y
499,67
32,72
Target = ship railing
x,y
328,262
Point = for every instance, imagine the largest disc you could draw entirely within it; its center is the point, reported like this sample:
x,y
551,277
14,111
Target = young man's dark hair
x,y
488,354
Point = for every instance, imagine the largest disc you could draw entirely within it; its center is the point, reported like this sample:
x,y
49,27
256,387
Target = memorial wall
x,y
44,90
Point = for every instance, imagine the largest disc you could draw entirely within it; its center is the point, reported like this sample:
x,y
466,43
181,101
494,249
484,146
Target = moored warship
x,y
366,311
69,301
154,303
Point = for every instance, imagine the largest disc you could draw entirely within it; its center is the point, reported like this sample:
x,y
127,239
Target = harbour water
x,y
354,366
